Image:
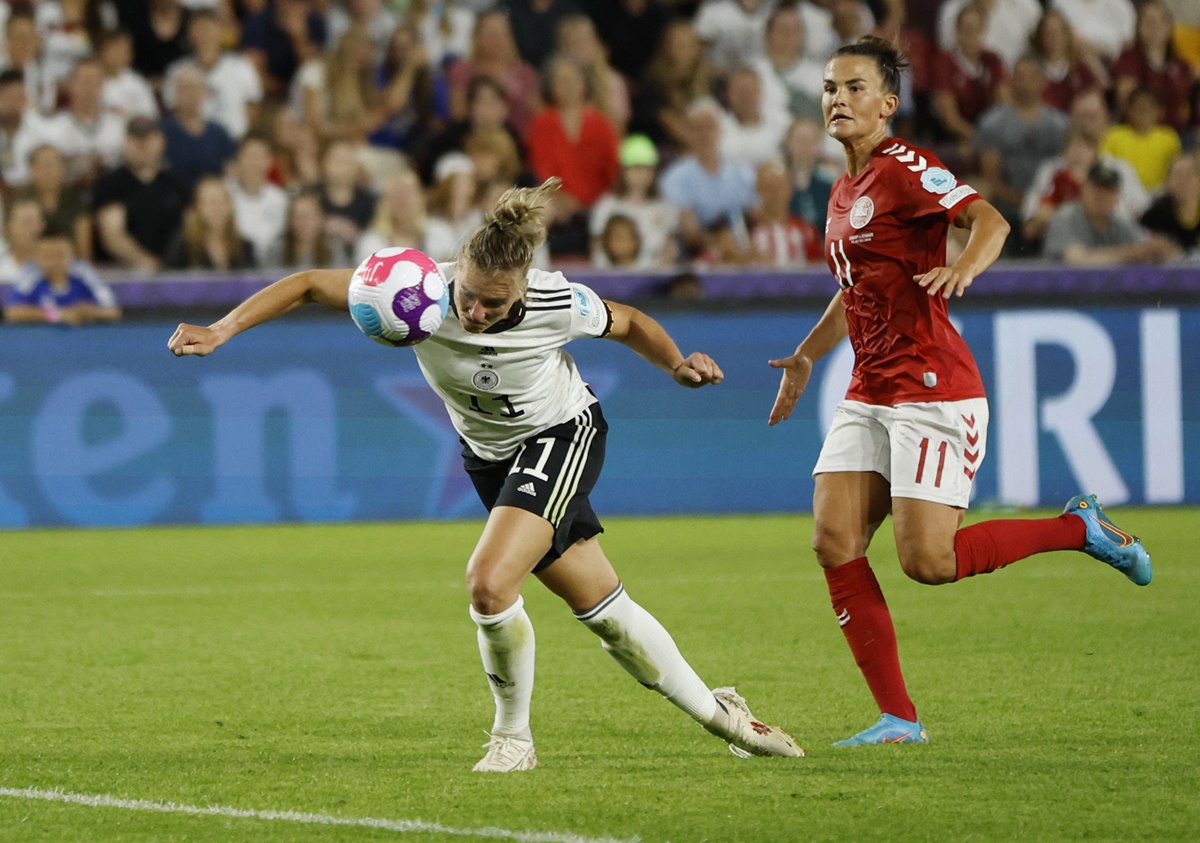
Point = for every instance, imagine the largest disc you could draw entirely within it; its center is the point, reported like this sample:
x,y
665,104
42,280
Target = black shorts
x,y
551,475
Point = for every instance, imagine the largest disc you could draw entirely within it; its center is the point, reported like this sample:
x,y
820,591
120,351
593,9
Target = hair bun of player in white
x,y
398,296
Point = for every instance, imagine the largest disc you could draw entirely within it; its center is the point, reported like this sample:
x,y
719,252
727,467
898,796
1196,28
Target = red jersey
x,y
886,225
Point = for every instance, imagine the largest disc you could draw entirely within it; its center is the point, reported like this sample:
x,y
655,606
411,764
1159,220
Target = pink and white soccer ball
x,y
398,296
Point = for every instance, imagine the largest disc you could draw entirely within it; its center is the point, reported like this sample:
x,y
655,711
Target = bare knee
x,y
837,546
488,592
928,565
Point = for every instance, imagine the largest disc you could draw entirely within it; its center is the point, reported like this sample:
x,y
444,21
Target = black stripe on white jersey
x,y
532,307
548,295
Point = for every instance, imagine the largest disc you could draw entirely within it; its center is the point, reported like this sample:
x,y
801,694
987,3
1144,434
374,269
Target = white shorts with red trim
x,y
928,451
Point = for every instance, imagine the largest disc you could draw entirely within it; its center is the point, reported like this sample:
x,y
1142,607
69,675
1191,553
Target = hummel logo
x,y
843,617
488,351
527,488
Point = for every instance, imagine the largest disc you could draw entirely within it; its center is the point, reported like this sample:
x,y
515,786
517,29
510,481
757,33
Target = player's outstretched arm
x,y
988,233
649,339
324,286
797,369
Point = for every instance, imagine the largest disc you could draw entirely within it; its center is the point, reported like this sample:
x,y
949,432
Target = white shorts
x,y
928,451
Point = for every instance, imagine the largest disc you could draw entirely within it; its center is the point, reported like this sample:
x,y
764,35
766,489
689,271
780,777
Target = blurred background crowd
x,y
145,136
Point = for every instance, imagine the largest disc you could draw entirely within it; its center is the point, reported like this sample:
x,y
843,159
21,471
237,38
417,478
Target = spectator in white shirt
x,y
22,129
1102,26
259,207
734,30
749,133
126,92
792,81
23,49
235,89
1008,25
90,138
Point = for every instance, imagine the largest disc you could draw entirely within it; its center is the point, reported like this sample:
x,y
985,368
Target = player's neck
x,y
859,151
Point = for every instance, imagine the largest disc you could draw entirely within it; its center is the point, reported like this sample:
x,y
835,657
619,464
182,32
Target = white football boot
x,y
746,734
506,755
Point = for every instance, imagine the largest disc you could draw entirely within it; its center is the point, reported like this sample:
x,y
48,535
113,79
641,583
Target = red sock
x,y
982,548
867,624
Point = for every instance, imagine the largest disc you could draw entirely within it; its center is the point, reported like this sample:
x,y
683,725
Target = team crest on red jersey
x,y
861,212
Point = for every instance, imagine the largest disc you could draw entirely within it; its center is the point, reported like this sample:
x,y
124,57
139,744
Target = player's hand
x,y
193,339
946,281
696,370
797,369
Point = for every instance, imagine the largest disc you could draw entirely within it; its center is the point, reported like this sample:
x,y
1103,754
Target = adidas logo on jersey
x,y
527,488
488,351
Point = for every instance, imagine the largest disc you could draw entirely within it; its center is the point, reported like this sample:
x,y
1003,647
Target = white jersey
x,y
514,380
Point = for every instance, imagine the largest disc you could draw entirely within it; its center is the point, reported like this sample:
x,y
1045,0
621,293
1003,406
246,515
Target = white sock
x,y
640,644
506,645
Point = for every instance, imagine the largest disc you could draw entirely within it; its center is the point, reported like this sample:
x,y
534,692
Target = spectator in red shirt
x,y
574,141
1067,72
1151,63
968,80
779,238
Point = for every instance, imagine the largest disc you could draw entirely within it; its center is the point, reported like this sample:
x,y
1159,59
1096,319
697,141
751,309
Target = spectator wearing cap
x,y
635,196
89,137
139,205
1091,232
196,145
452,212
1143,140
712,192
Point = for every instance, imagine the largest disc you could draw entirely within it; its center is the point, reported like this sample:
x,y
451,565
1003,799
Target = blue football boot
x,y
1110,544
889,729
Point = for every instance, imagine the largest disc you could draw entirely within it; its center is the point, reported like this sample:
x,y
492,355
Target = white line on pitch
x,y
399,826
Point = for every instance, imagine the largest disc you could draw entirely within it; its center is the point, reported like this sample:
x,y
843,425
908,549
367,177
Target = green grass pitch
x,y
332,670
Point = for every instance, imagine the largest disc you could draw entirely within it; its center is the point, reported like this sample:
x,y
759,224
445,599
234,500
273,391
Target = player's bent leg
x,y
1105,541
848,507
644,649
513,542
925,539
511,545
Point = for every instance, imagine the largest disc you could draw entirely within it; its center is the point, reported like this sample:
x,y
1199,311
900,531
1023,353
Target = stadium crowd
x,y
228,135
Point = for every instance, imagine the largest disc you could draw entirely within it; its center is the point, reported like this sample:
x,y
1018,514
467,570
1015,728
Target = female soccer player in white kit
x,y
534,444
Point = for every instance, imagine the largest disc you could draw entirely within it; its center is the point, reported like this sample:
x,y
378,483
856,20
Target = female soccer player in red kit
x,y
912,431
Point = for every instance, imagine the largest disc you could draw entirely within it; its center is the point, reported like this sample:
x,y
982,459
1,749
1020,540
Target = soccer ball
x,y
398,296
